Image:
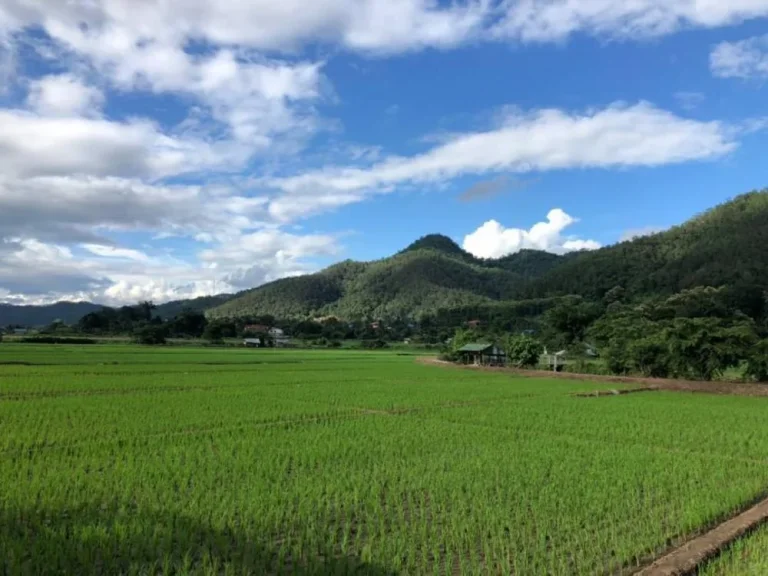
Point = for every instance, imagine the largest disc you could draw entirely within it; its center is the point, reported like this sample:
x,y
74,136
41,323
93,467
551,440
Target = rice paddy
x,y
120,459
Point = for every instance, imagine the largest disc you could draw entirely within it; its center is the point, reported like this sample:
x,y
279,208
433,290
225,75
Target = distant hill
x,y
723,246
430,274
33,316
71,312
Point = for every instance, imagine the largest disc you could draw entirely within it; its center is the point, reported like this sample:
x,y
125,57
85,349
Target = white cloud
x,y
378,26
112,252
745,59
690,100
64,95
639,233
492,240
615,137
556,20
35,145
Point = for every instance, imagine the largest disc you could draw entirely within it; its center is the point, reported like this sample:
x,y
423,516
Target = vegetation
x,y
208,461
746,557
722,247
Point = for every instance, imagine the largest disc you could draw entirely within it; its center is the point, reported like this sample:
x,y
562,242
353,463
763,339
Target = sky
x,y
167,149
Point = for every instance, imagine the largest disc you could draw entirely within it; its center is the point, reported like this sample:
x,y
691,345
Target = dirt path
x,y
727,388
688,557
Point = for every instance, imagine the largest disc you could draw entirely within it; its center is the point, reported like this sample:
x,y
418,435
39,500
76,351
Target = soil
x,y
726,388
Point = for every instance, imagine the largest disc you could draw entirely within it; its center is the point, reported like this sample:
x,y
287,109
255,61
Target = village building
x,y
482,354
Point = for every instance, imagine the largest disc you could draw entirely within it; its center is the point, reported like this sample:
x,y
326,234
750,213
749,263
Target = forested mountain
x,y
723,246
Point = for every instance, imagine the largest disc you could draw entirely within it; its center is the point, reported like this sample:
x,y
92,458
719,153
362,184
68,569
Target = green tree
x,y
523,351
150,334
757,363
461,338
571,318
705,347
214,332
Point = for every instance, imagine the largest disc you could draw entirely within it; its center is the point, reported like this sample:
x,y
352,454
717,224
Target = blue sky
x,y
160,150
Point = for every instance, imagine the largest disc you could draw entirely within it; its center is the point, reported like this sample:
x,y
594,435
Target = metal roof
x,y
475,347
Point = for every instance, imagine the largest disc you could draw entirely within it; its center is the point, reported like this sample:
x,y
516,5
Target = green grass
x,y
120,459
746,557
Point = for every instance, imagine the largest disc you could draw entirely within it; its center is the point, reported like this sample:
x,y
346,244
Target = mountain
x,y
67,312
723,246
201,304
71,312
432,273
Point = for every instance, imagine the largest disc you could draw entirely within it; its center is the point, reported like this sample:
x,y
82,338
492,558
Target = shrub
x,y
56,340
151,335
373,344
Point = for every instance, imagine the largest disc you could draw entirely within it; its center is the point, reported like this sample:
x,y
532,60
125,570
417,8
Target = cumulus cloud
x,y
744,59
618,136
555,20
493,240
64,95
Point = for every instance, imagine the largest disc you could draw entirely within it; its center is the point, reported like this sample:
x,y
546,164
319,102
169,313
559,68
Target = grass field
x,y
746,557
120,459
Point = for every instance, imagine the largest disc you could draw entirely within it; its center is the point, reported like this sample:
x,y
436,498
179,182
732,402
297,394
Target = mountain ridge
x,y
721,246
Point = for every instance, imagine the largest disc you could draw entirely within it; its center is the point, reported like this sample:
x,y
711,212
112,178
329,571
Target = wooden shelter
x,y
482,354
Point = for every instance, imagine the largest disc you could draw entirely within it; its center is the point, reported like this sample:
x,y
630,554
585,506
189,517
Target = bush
x,y
373,344
334,344
449,356
150,335
56,340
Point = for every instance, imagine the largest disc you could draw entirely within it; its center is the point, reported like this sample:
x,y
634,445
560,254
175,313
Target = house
x,y
375,325
474,324
252,342
255,329
482,354
20,331
279,337
556,361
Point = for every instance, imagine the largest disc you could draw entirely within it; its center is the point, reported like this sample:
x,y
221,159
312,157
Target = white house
x,y
252,342
278,335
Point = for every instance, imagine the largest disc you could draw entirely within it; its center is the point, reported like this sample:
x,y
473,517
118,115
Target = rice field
x,y
746,557
125,460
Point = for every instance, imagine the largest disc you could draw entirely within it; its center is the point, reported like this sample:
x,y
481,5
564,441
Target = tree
x,y
214,332
705,347
757,363
150,335
571,317
523,351
461,338
189,323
